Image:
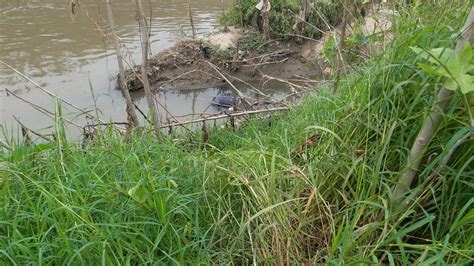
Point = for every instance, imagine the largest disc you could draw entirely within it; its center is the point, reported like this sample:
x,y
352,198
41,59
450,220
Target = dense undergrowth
x,y
243,197
282,16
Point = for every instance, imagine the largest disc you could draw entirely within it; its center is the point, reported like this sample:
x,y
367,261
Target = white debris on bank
x,y
223,40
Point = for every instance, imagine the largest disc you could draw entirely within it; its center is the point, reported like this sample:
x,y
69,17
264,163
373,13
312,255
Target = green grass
x,y
243,198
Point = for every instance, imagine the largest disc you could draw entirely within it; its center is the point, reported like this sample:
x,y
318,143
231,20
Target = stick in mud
x,y
190,13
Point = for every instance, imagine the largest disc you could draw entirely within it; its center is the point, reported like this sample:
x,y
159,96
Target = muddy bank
x,y
235,56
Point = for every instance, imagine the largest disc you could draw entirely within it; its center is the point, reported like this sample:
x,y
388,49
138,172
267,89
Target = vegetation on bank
x,y
283,17
247,197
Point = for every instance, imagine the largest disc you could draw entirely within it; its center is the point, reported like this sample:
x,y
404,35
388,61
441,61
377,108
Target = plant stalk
x,y
430,125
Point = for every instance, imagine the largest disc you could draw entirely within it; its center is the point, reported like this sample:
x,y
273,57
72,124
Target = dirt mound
x,y
196,64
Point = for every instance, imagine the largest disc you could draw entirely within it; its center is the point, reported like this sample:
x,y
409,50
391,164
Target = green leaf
x,y
431,70
466,58
466,83
456,68
138,193
451,84
441,55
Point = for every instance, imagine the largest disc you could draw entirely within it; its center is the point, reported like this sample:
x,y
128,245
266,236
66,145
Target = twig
x,y
268,63
190,72
106,124
5,145
32,131
252,87
45,90
41,109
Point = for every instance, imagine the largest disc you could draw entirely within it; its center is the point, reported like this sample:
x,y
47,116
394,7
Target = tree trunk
x,y
430,125
144,69
132,115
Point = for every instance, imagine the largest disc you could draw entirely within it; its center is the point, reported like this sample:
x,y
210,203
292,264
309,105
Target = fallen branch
x,y
228,115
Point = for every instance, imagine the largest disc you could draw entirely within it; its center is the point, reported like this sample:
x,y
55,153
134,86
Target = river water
x,y
68,55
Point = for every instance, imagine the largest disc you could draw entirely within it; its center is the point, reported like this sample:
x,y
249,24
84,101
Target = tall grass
x,y
243,197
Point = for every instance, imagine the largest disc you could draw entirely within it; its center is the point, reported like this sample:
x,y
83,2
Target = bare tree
x,y
431,123
123,84
144,68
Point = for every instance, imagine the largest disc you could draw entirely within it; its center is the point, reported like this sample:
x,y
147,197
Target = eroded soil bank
x,y
236,57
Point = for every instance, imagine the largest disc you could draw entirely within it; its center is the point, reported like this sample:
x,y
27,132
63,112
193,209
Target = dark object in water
x,y
225,99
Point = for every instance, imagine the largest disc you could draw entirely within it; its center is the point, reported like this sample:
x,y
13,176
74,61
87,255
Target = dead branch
x,y
41,109
227,115
45,90
44,137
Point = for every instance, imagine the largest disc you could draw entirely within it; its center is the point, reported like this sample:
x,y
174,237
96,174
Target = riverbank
x,y
313,185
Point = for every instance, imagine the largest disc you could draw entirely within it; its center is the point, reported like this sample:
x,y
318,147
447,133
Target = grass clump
x,y
244,197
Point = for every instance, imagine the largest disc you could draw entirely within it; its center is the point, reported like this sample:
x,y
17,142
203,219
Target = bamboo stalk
x,y
430,125
123,85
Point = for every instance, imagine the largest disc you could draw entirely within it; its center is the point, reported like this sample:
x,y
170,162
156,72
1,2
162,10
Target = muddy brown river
x,y
68,55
